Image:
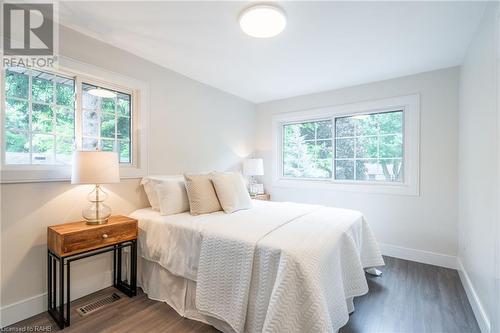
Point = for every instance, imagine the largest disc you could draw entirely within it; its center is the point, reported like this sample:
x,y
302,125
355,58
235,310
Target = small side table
x,y
264,197
73,241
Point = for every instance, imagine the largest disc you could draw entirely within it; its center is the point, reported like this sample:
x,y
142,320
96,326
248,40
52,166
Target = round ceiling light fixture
x,y
262,21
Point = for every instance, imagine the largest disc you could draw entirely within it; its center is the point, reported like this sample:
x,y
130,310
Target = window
x,y
369,147
39,117
352,146
106,122
48,114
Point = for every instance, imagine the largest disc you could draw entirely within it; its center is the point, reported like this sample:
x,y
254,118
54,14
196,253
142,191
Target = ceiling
x,y
326,45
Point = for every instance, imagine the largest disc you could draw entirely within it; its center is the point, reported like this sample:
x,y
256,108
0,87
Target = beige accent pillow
x,y
231,191
201,194
172,196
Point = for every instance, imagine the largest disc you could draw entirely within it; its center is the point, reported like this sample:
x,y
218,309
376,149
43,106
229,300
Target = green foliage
x,y
64,146
123,128
42,118
16,84
42,90
124,151
16,142
124,106
107,125
42,143
107,145
16,114
108,105
307,151
65,122
65,94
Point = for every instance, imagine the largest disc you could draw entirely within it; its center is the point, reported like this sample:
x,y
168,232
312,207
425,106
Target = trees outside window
x,y
40,117
307,149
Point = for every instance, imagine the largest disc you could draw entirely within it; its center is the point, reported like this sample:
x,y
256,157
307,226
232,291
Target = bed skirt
x,y
180,293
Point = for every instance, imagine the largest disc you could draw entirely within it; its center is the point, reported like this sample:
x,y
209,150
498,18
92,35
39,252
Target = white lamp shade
x,y
253,167
95,167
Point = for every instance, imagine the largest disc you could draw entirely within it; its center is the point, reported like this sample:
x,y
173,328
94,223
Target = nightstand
x,y
73,241
264,197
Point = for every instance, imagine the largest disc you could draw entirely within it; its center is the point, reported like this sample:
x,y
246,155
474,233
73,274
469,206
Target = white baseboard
x,y
475,302
34,305
23,309
425,257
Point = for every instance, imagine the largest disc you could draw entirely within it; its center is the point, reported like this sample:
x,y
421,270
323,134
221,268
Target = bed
x,y
277,267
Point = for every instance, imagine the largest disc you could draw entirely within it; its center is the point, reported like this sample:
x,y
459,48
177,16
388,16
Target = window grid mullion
x,y
30,109
378,142
115,144
99,117
20,98
53,107
78,114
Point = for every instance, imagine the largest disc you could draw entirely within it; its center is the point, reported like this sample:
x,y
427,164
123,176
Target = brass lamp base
x,y
96,222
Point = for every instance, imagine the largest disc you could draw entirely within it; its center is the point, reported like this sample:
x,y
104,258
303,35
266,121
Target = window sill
x,y
41,173
364,187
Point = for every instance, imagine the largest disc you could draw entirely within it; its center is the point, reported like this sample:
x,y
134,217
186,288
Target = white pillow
x,y
172,196
150,182
231,191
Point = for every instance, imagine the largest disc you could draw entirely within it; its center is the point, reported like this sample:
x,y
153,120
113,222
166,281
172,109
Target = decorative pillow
x,y
231,191
201,194
150,182
172,196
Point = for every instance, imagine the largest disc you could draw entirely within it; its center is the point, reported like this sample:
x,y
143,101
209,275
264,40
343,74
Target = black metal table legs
x,y
129,289
57,314
57,282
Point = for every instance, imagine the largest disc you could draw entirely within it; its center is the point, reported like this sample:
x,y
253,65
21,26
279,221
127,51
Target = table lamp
x,y
95,167
254,167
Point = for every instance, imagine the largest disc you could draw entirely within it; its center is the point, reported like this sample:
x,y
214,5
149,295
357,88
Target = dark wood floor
x,y
408,297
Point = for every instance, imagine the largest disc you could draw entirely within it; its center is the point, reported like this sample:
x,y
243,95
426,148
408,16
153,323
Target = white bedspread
x,y
291,271
278,267
174,241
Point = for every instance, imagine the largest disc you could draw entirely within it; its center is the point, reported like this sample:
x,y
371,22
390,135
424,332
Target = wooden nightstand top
x,y
265,197
76,237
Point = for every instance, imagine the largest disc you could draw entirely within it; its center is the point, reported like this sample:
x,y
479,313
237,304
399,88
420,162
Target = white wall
x,y
426,222
479,170
194,127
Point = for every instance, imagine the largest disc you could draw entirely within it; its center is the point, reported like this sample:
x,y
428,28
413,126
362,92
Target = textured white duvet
x,y
278,267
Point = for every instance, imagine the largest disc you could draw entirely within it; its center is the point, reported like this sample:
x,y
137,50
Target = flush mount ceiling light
x,y
263,21
102,93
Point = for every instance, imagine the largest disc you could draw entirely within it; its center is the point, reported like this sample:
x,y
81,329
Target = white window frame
x,y
411,135
139,92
